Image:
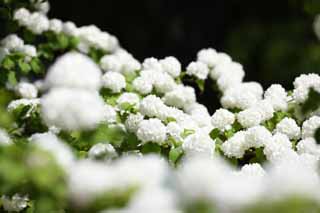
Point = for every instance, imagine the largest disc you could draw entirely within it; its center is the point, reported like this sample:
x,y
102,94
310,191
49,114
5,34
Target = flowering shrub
x,y
85,127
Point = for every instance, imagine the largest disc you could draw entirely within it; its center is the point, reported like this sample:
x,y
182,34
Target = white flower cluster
x,y
12,43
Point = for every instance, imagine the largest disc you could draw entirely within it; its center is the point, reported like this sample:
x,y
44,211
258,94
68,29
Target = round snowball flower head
x,y
142,85
111,63
180,97
277,96
39,23
113,81
234,146
70,28
198,143
12,42
198,69
208,56
308,146
128,98
257,137
152,64
310,126
175,130
56,25
222,119
133,121
4,138
242,96
74,70
152,130
27,90
110,115
249,117
22,15
43,6
302,84
152,106
164,82
289,127
171,65
279,146
72,109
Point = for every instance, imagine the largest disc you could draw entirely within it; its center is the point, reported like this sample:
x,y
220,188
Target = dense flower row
x,y
131,136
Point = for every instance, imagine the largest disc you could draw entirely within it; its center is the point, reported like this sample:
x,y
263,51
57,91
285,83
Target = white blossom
x,y
152,130
113,81
22,15
74,70
104,150
132,122
310,126
222,119
26,90
277,96
181,96
289,127
56,25
198,143
12,42
72,109
198,69
16,203
171,66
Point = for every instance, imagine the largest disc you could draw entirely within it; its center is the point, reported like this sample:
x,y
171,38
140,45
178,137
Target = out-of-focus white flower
x,y
277,96
74,70
180,97
164,82
27,90
171,66
4,138
102,150
113,81
50,143
22,16
56,25
72,109
42,6
232,75
310,126
133,121
3,53
29,50
70,28
289,127
12,42
38,23
198,69
316,25
222,119
208,56
16,203
152,130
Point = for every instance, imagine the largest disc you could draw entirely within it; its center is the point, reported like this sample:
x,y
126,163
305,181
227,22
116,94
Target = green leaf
x,y
175,154
24,67
150,148
36,66
187,132
8,63
12,79
214,134
201,84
